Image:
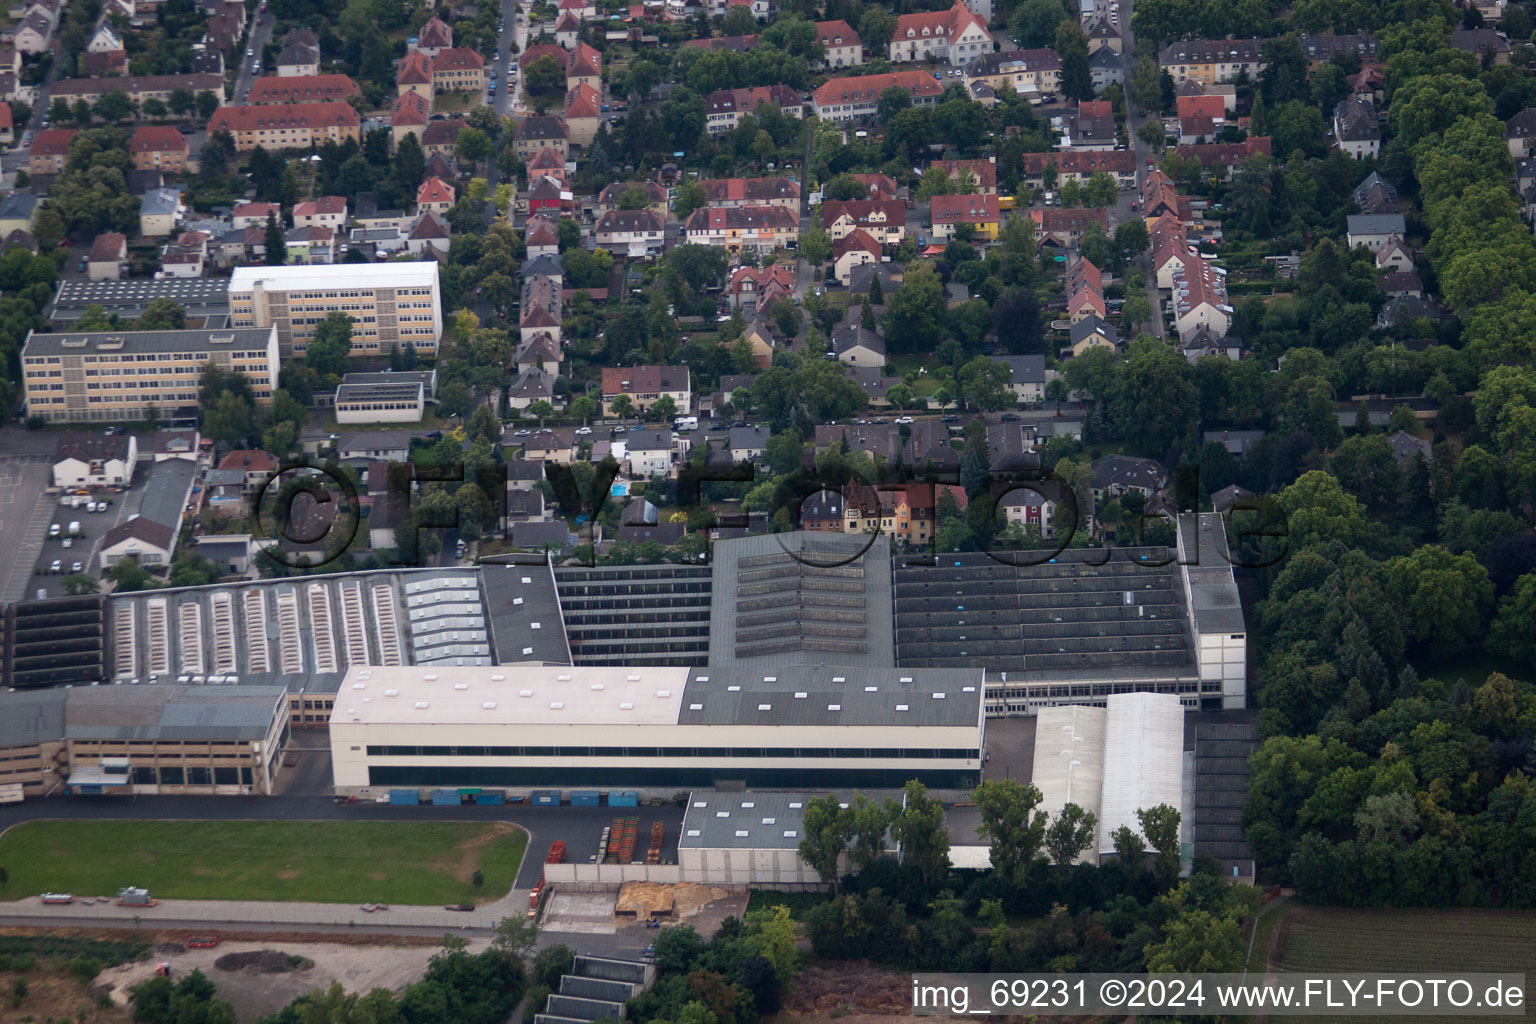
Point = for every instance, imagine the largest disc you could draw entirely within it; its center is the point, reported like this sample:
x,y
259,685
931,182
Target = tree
x,y
1445,598
276,244
114,106
544,77
473,145
912,315
870,821
410,163
827,832
918,826
80,583
1069,835
1146,86
690,196
128,575
162,314
1012,823
515,939
1130,850
331,344
623,407
1513,631
1072,49
815,246
1160,825
1034,22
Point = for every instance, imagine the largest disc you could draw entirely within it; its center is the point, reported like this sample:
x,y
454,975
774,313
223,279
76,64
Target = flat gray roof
x,y
28,717
149,712
832,695
516,596
1213,595
165,495
199,295
115,342
754,821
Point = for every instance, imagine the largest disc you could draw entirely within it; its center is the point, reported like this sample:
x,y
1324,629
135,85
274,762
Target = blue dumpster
x,y
404,796
585,798
490,799
546,798
624,798
445,798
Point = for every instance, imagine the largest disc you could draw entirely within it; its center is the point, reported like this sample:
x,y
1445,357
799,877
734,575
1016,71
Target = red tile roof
x,y
867,88
972,209
583,101
434,190
862,210
301,89
1202,106
411,109
1228,154
984,171
52,142
460,58
108,247
928,24
415,69
741,218
435,34
1081,162
857,239
880,186
290,115
837,33
644,379
157,139
323,205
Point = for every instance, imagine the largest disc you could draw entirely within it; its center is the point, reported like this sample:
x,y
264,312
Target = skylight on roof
x,y
834,707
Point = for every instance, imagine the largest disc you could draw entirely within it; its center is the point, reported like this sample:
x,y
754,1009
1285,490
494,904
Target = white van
x,y
686,423
74,528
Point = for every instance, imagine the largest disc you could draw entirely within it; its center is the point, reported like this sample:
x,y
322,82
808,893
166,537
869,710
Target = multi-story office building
x,y
391,304
110,376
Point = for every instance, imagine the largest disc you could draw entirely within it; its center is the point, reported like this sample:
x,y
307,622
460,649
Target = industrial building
x,y
142,739
656,728
637,614
389,396
392,305
1112,761
205,299
123,376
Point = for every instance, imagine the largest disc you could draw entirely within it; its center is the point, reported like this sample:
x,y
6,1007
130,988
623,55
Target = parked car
x,y
904,419
57,567
77,567
55,531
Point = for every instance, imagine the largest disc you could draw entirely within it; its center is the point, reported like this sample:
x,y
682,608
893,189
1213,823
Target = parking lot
x,y
25,512
84,550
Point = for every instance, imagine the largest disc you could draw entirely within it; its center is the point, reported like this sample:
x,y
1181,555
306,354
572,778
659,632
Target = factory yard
x,y
406,863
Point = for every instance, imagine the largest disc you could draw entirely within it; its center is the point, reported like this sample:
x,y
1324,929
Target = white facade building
x,y
391,304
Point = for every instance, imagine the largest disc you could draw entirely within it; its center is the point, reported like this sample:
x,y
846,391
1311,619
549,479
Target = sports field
x,y
1332,940
324,861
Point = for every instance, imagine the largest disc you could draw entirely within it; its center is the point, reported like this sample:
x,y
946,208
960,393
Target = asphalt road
x,y
1134,119
85,550
260,34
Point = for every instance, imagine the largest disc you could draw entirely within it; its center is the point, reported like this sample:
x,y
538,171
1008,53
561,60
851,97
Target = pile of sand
x,y
263,961
653,899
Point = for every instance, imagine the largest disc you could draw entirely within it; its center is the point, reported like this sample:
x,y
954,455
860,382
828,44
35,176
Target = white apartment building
x,y
391,304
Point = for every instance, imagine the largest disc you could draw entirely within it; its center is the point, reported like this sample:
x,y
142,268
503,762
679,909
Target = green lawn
x,y
799,903
326,861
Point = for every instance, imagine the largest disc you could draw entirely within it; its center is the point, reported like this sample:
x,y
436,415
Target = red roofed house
x,y
567,30
541,237
973,176
855,99
247,215
1201,118
841,45
434,195
108,254
880,186
458,70
724,108
291,126
955,36
415,75
584,65
763,228
981,212
646,385
546,195
1224,154
1084,285
6,123
325,212
160,148
751,288
541,132
1079,165
409,115
434,37
48,151
581,10
582,114
301,89
1065,227
783,192
885,220
854,249
547,163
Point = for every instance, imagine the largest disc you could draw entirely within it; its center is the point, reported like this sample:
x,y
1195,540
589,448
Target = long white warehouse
x,y
657,728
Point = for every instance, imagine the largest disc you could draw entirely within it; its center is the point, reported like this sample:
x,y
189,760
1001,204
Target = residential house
x,y
855,99
1484,43
645,386
458,70
1394,255
1093,127
247,215
1200,300
981,212
541,132
434,196
429,237
1201,117
1065,227
541,352
883,220
531,386
1237,442
1040,507
1084,286
409,115
302,89
325,212
1035,75
854,249
159,147
724,108
414,75
296,60
255,466
1212,60
1357,129
639,232
724,192
748,444
762,338
655,196
1091,332
187,256
541,237
582,114
1078,165
1376,195
49,150
291,126
1406,447
159,211
548,197
761,228
108,255
547,163
105,40
1115,475
1375,231
956,36
33,35
435,37
858,346
841,45
1026,377
752,288
648,452
7,124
